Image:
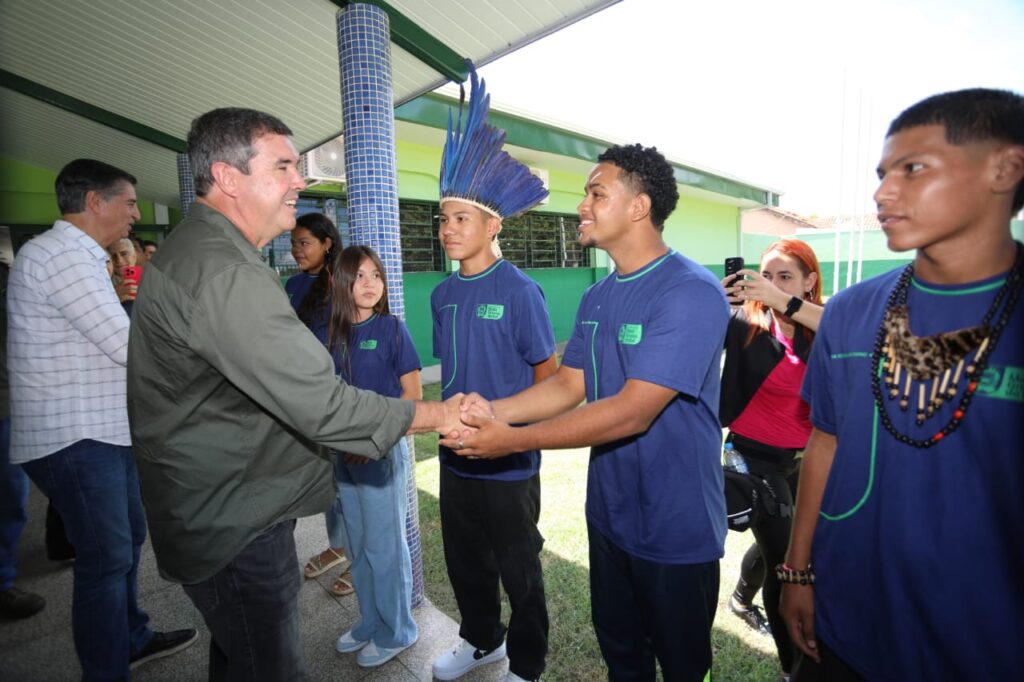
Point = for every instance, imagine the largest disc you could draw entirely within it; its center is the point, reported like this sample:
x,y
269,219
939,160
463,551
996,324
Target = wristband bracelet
x,y
793,306
787,574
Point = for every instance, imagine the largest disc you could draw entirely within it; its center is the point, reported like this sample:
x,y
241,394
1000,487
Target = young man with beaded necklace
x,y
905,554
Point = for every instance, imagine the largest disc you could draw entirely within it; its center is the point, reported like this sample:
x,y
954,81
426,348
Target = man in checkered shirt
x,y
67,352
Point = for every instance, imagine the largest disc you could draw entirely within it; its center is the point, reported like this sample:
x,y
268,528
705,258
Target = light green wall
x,y
703,230
27,196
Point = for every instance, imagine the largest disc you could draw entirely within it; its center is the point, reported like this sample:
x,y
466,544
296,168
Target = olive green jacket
x,y
228,396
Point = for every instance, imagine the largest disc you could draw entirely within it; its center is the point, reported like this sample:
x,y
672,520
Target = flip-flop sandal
x,y
342,587
316,566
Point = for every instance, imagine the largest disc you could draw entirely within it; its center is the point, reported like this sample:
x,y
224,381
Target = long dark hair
x,y
343,305
322,229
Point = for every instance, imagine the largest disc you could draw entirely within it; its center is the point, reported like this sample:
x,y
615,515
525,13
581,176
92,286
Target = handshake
x,y
472,430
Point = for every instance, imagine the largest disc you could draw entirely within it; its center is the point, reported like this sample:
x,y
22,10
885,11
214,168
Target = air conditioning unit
x,y
543,175
325,164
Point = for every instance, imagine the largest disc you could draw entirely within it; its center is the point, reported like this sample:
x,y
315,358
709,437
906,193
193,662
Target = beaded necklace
x,y
939,360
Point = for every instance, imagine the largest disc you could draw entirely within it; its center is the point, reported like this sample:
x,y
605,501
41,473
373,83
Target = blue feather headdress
x,y
476,170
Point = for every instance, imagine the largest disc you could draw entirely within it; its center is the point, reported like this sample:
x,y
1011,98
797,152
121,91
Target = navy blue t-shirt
x,y
918,553
382,351
489,331
657,495
297,287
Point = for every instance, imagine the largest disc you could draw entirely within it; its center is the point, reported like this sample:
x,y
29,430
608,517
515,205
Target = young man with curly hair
x,y
644,354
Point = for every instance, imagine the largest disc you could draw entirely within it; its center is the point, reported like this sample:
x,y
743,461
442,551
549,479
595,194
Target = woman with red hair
x,y
766,346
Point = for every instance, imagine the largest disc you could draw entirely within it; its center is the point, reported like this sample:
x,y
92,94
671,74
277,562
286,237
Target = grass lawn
x,y
740,653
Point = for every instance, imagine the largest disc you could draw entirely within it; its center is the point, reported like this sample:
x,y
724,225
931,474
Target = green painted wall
x,y
417,287
27,196
563,289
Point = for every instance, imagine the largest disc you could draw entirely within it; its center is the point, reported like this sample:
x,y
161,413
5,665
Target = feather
x,y
475,168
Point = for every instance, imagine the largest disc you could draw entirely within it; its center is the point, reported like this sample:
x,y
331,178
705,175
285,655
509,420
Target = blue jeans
x,y
13,500
373,495
95,488
644,610
251,608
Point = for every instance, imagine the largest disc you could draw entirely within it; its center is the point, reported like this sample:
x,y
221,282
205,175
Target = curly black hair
x,y
645,169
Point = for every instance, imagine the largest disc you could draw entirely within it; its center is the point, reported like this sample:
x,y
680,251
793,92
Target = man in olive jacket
x,y
230,397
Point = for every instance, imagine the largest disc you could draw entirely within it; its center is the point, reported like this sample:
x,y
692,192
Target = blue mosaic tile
x,y
371,181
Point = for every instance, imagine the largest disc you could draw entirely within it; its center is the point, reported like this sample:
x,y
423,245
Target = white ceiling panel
x,y
161,63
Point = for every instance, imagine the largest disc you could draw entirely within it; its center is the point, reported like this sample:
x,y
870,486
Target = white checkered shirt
x,y
67,346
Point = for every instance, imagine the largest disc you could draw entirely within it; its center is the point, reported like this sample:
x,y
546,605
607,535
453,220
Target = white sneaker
x,y
462,658
348,644
371,655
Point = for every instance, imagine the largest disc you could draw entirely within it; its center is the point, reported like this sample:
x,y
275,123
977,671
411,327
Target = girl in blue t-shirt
x,y
373,350
315,244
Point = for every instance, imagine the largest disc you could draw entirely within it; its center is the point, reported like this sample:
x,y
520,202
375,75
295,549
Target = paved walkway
x,y
40,648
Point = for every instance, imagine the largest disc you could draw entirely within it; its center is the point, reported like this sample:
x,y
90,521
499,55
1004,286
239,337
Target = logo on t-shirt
x,y
1006,383
630,334
490,311
368,344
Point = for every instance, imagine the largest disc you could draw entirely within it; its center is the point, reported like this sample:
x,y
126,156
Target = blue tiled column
x,y
186,187
371,180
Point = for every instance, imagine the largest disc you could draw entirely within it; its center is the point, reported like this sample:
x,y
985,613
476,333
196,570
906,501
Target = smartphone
x,y
732,266
131,273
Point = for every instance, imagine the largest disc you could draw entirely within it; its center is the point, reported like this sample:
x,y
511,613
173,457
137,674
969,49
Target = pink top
x,y
776,415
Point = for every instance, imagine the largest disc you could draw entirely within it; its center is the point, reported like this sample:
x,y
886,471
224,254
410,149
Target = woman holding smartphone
x,y
373,350
766,348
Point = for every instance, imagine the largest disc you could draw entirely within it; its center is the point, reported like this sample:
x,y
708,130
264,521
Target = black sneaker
x,y
17,604
164,644
752,615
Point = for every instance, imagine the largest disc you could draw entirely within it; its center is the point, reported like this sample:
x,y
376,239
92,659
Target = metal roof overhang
x,y
121,80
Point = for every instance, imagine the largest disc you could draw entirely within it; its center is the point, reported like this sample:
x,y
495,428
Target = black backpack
x,y
748,499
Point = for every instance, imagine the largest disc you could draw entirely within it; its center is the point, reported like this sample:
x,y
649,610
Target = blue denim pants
x,y
373,495
251,608
95,488
13,500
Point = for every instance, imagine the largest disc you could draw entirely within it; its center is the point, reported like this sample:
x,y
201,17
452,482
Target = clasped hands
x,y
479,434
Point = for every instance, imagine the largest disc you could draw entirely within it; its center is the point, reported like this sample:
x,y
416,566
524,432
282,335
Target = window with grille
x,y
543,240
533,240
421,249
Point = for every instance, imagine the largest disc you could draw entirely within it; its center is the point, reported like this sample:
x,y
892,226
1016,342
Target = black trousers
x,y
489,529
772,537
644,610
